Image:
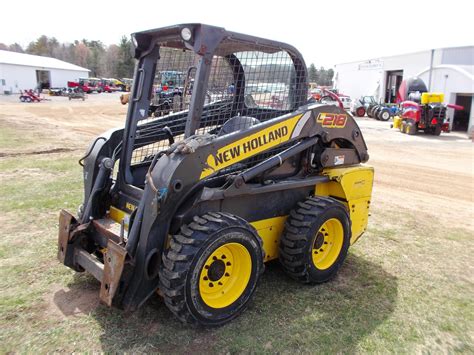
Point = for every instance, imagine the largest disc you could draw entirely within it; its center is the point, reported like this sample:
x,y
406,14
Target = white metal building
x,y
20,71
446,70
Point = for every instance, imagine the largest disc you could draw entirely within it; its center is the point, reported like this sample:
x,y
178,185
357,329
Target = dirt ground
x,y
420,174
421,177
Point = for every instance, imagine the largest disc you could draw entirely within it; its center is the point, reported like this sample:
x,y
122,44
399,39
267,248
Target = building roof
x,y
14,58
465,70
469,49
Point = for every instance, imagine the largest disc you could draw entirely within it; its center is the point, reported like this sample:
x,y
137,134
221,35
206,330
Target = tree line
x,y
320,76
115,60
112,61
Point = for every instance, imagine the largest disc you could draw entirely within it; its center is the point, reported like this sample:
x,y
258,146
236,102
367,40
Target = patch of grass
x,y
405,287
10,137
39,182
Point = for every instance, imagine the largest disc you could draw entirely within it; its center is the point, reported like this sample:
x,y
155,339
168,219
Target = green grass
x,y
14,138
404,287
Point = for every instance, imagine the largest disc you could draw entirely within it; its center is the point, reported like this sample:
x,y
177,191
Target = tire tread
x,y
178,258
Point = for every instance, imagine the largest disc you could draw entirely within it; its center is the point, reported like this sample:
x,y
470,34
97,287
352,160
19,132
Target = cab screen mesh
x,y
244,88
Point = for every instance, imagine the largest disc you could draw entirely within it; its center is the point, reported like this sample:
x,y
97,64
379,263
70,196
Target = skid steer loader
x,y
192,204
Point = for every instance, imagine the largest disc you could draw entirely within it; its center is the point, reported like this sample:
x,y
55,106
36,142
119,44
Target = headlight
x,y
186,34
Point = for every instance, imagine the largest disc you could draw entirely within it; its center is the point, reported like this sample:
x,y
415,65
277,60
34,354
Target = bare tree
x,y
15,47
103,61
110,60
81,54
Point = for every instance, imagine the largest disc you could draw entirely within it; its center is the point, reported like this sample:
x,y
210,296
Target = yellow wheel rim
x,y
225,275
328,244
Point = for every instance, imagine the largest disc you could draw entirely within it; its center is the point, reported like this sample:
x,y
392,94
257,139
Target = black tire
x,y
376,111
22,99
403,127
369,111
436,131
411,128
184,262
384,114
360,112
28,99
372,111
304,230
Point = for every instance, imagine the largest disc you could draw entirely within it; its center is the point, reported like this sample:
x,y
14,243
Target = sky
x,y
325,32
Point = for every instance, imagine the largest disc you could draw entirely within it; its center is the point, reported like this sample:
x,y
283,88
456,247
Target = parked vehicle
x,y
192,204
380,112
88,85
128,82
168,94
57,91
118,84
316,93
29,96
346,101
94,84
362,105
421,110
76,93
108,85
328,97
428,115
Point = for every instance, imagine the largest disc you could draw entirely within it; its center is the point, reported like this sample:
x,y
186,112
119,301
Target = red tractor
x,y
88,85
107,85
423,111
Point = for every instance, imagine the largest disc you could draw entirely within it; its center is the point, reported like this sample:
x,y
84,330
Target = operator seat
x,y
237,123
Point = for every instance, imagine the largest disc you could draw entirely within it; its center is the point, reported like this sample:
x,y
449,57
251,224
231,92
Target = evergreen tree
x,y
96,52
312,73
320,76
43,46
125,63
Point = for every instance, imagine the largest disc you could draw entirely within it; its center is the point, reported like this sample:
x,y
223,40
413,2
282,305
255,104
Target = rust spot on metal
x,y
114,261
65,221
108,228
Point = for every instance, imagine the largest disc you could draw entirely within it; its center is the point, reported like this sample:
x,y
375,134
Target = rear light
x,y
165,87
434,121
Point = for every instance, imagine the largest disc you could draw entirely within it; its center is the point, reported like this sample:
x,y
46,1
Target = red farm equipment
x,y
29,96
421,110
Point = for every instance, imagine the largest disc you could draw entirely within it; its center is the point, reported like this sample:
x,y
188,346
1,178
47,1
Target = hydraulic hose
x,y
105,168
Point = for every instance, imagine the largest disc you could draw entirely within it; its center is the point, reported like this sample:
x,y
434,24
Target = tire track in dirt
x,y
420,176
49,151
